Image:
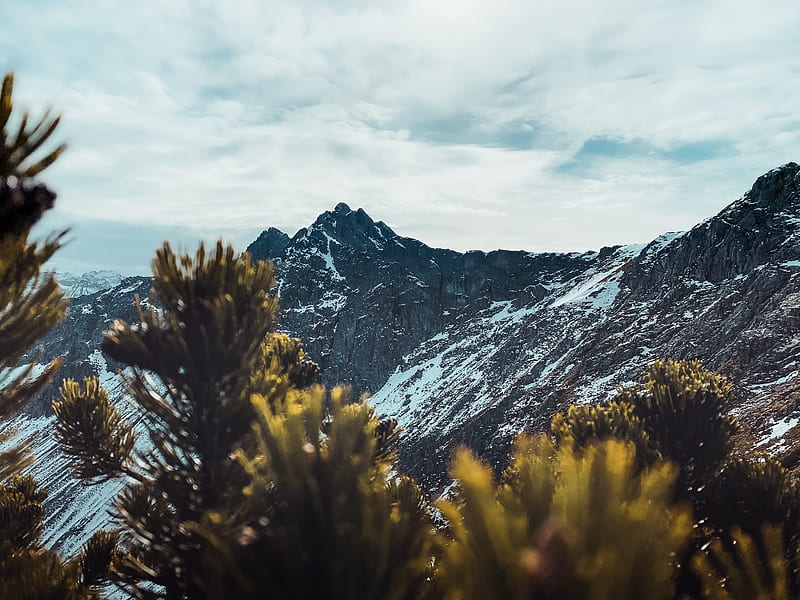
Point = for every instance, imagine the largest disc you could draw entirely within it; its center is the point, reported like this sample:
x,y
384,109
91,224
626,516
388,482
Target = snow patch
x,y
504,312
761,387
332,301
599,291
774,440
597,389
328,258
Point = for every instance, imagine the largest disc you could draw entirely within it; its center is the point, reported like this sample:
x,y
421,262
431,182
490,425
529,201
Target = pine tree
x,y
740,502
249,477
747,568
684,409
194,360
324,515
749,502
586,424
30,304
562,525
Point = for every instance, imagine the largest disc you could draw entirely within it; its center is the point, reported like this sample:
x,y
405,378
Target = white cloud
x,y
228,115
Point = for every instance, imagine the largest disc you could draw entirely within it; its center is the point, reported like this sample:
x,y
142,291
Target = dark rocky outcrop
x,y
361,297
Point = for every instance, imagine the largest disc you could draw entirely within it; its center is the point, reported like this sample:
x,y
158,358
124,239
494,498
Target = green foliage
x,y
30,303
254,477
753,490
98,557
90,428
577,525
28,570
21,511
585,424
35,574
740,502
17,149
678,413
202,345
195,361
321,503
752,493
745,569
684,409
281,359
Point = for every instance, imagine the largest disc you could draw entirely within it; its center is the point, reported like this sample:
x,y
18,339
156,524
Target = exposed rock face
x,y
361,297
471,348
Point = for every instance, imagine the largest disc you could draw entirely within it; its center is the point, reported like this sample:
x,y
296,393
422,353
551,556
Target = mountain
x,y
88,283
361,297
74,511
471,348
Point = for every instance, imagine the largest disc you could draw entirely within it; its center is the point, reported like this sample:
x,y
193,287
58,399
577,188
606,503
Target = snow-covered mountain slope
x,y
74,511
88,283
471,348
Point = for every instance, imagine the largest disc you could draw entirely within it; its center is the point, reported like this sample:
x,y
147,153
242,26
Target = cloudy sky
x,y
515,124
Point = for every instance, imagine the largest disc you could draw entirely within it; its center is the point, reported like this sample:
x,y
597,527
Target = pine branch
x,y
92,432
16,152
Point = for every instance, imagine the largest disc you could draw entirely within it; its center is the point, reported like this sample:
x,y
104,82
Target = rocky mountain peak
x,y
758,229
350,228
778,188
270,244
88,283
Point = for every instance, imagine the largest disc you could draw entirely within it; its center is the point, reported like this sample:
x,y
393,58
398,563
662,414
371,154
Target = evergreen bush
x,y
31,303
